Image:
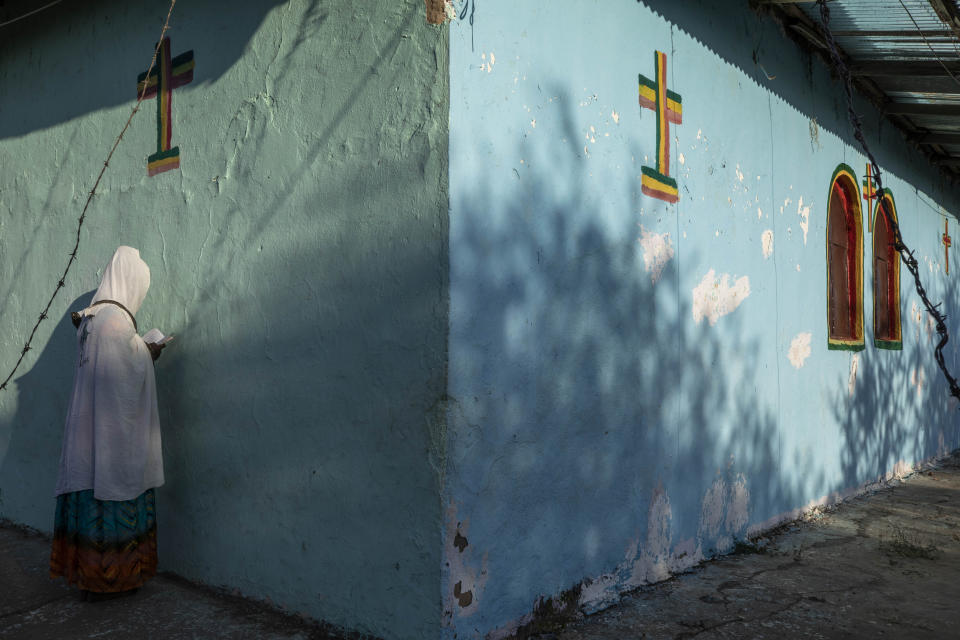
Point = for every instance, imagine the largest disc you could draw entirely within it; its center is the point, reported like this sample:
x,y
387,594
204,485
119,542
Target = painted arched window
x,y
886,279
844,262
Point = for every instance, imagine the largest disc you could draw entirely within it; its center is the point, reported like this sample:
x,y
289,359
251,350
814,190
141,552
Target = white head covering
x,y
111,441
125,280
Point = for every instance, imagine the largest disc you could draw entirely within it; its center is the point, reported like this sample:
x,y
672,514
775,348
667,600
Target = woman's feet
x,y
97,596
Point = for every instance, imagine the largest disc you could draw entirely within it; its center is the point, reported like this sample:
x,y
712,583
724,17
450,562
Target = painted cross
x,y
166,76
869,194
947,241
656,182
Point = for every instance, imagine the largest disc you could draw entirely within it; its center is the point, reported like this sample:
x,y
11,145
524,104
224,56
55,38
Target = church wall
x,y
298,253
635,385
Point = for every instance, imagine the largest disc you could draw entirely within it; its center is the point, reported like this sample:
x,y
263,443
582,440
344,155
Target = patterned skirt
x,y
104,545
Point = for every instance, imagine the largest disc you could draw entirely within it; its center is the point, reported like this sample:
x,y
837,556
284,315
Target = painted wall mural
x,y
656,181
166,76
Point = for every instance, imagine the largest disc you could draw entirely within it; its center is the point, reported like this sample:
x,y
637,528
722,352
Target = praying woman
x,y
105,528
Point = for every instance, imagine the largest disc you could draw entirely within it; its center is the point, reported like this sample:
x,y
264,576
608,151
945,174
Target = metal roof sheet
x,y
906,53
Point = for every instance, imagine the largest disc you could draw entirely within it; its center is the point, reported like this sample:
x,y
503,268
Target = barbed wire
x,y
29,13
906,255
93,191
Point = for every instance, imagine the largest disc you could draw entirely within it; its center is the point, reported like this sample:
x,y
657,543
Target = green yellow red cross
x,y
164,78
656,181
869,194
947,241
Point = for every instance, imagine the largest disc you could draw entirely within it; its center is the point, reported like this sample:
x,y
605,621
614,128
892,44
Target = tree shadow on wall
x,y
595,427
898,410
29,463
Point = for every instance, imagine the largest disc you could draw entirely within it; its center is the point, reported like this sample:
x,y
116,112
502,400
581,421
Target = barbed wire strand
x,y
29,13
93,191
906,255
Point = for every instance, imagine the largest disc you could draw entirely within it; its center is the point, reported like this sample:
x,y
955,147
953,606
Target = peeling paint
x,y
799,349
657,252
460,542
464,579
715,297
852,380
487,65
738,507
804,213
724,513
643,564
759,213
712,509
654,563
919,314
464,598
814,134
767,241
917,379
440,11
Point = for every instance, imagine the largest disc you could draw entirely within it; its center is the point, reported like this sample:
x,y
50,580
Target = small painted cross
x,y
656,182
947,241
869,194
164,78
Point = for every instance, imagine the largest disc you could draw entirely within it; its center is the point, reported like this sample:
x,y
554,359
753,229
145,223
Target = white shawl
x,y
111,441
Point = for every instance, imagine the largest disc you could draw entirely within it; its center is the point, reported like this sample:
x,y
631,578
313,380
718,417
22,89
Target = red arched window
x,y
886,279
844,262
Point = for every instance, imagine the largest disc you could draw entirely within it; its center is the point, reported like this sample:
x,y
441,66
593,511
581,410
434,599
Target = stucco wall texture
x,y
298,254
417,410
635,384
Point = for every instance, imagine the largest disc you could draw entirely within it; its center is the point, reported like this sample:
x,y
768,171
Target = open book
x,y
155,336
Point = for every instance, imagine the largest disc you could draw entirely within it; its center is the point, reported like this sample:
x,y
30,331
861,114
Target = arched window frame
x,y
847,179
895,340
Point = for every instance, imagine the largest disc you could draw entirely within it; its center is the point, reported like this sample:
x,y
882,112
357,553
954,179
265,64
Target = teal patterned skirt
x,y
104,545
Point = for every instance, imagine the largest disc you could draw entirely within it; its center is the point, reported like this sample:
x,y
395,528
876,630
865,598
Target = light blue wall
x,y
299,254
601,437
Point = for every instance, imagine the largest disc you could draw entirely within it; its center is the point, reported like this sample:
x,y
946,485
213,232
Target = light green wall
x,y
299,254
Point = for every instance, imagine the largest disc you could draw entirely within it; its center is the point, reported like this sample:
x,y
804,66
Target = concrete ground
x,y
34,607
885,565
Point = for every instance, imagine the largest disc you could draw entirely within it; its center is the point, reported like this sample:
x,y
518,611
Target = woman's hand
x,y
155,349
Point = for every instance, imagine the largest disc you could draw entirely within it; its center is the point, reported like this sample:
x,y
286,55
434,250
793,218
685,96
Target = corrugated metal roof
x,y
906,53
869,24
